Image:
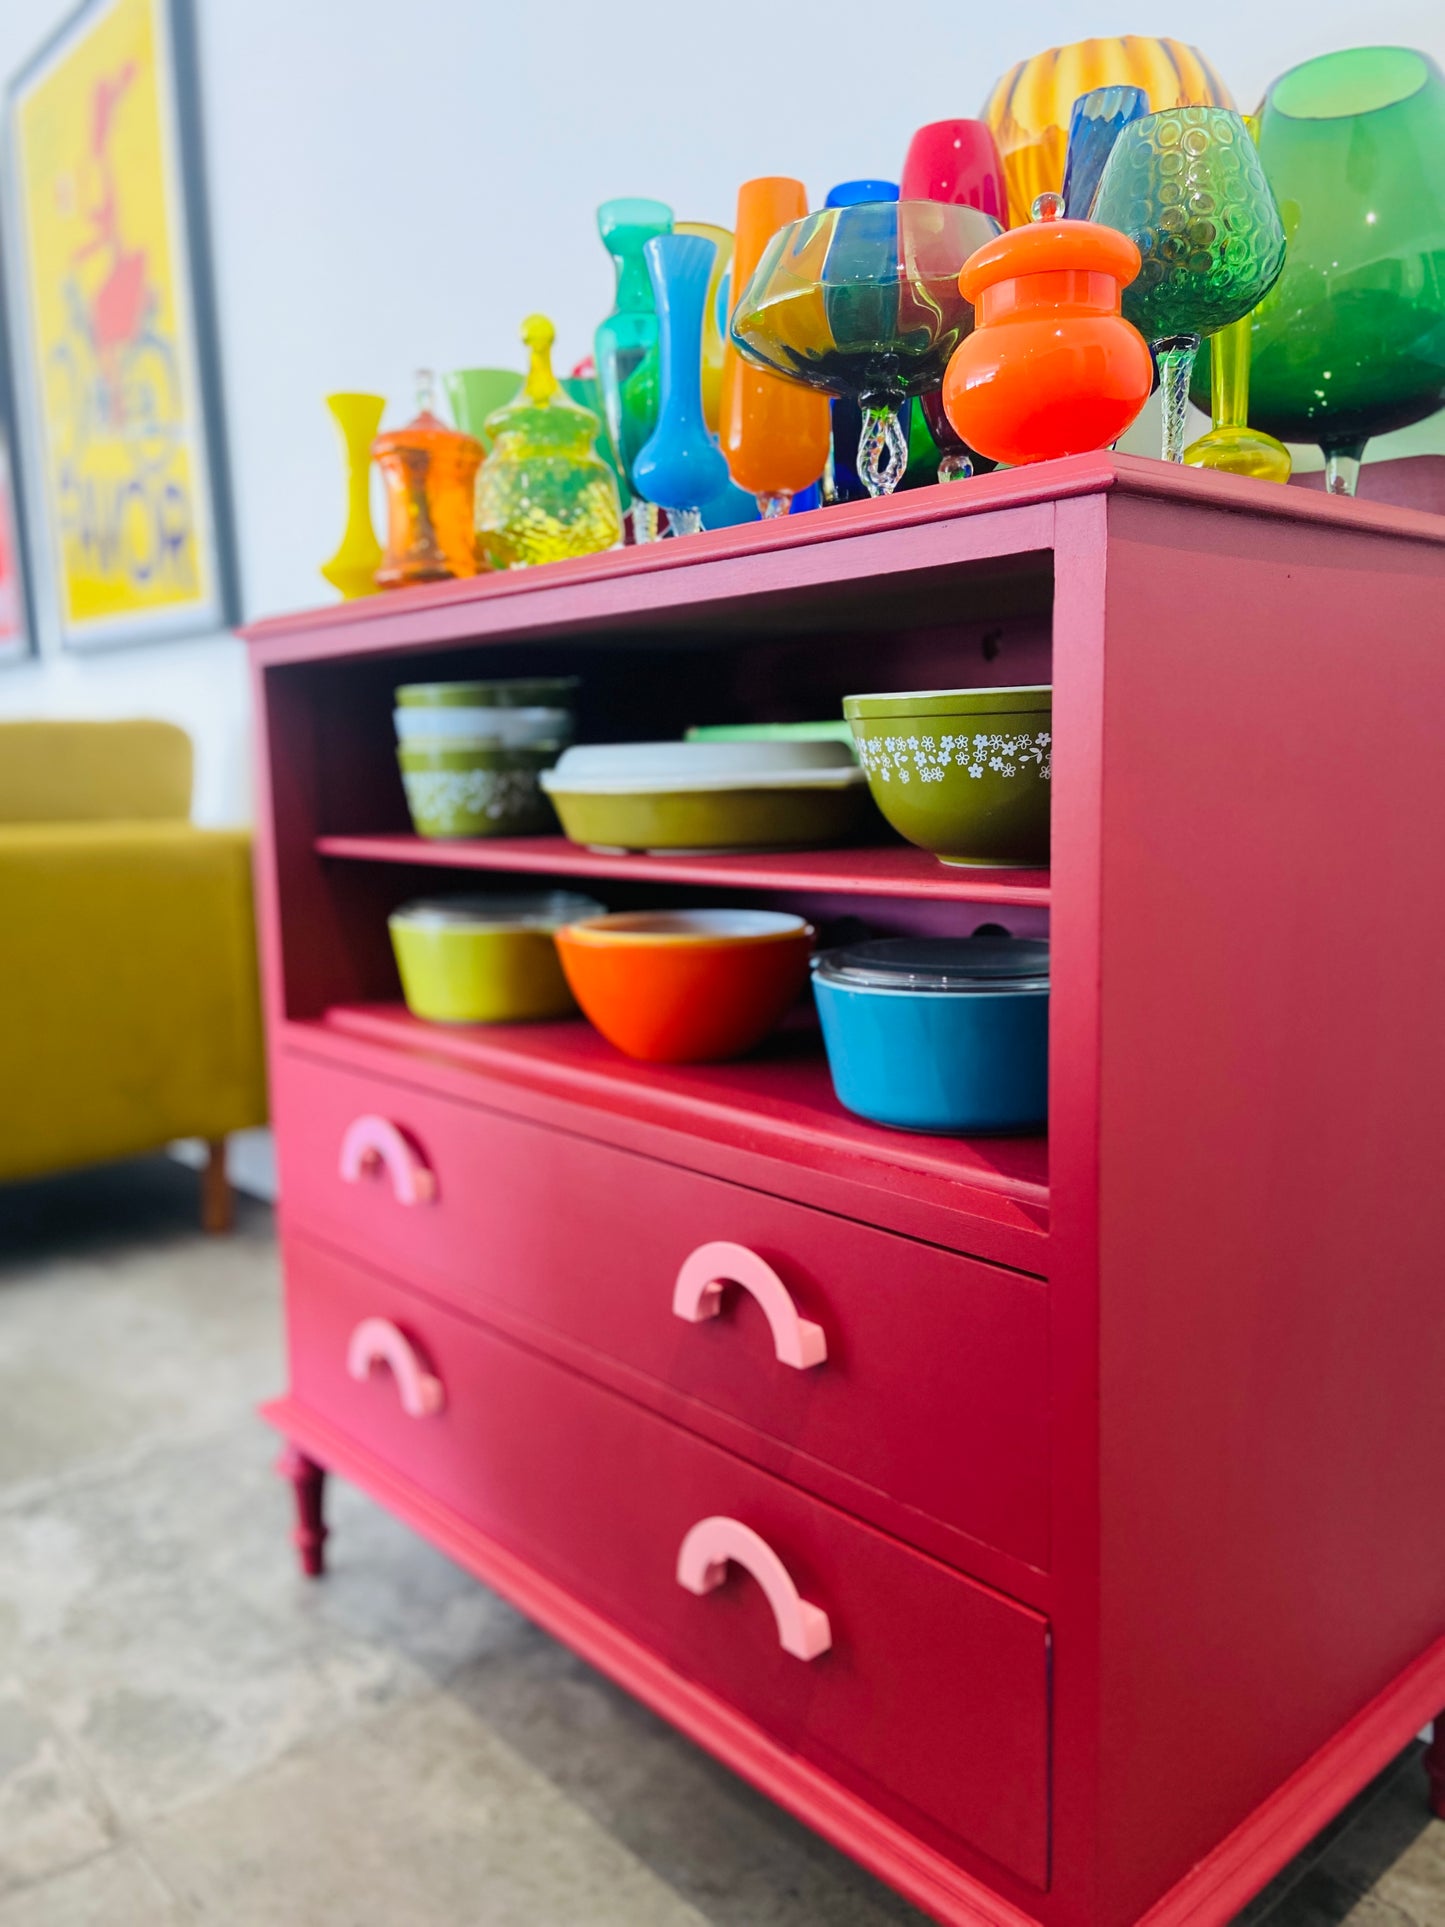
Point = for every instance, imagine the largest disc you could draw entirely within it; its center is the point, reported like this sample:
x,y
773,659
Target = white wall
x,y
400,185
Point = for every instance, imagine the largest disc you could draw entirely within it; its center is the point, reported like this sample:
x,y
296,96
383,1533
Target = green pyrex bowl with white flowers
x,y
961,772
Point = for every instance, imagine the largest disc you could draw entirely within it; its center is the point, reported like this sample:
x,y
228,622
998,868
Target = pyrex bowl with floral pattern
x,y
461,788
961,772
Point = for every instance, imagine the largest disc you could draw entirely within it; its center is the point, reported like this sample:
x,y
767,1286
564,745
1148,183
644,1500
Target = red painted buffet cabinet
x,y
1053,1523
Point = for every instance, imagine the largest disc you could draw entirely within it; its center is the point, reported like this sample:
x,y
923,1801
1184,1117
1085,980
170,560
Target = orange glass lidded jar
x,y
430,472
1052,367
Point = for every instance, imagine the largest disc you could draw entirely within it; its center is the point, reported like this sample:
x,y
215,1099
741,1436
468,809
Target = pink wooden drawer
x,y
932,1387
931,1696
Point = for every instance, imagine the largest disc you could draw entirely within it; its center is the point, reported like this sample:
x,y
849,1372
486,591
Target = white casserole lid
x,y
689,760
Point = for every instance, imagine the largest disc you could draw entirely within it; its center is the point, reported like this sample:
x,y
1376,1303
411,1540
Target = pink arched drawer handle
x,y
699,1289
702,1566
375,1144
376,1341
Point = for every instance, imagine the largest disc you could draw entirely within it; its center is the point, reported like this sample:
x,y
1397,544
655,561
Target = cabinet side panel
x,y
1272,1217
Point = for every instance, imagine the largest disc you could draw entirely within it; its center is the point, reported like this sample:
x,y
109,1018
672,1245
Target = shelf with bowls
x,y
876,870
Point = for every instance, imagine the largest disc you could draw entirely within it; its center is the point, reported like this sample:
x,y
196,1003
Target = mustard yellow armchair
x,y
129,1013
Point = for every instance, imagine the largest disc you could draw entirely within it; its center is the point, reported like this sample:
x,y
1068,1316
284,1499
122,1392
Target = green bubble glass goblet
x,y
1187,186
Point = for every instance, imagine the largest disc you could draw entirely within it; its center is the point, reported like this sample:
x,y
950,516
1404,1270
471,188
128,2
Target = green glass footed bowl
x,y
963,773
477,789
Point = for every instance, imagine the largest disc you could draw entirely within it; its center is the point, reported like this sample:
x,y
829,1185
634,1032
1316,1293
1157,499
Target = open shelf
x,y
883,870
777,1103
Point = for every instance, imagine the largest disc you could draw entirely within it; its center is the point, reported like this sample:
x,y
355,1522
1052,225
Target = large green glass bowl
x,y
961,772
1351,342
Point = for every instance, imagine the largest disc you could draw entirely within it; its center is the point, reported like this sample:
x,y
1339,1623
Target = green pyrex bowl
x,y
476,790
489,969
961,772
515,692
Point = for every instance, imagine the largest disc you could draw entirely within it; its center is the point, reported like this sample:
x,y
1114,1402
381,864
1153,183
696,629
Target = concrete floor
x,y
189,1733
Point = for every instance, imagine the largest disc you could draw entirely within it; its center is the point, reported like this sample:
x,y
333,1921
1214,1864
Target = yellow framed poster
x,y
118,404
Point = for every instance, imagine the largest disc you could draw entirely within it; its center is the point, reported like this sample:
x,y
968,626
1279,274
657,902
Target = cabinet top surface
x,y
994,517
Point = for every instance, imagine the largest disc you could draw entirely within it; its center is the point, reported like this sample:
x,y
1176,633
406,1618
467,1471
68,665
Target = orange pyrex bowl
x,y
686,986
1052,367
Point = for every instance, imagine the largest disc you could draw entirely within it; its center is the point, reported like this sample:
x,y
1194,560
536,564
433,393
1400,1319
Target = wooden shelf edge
x,y
388,618
945,1890
597,1073
874,870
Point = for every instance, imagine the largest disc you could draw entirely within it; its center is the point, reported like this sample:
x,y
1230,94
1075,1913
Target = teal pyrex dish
x,y
938,1033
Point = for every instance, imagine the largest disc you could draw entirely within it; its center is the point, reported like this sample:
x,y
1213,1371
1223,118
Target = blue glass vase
x,y
855,193
1098,119
680,467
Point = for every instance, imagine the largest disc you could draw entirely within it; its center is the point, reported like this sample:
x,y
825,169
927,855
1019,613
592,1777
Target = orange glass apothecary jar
x,y
1052,367
430,472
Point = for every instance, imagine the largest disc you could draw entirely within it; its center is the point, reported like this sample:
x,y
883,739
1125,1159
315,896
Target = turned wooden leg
x,y
217,1205
1435,1767
308,1482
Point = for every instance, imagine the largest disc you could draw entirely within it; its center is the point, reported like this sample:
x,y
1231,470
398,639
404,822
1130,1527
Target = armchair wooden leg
x,y
217,1204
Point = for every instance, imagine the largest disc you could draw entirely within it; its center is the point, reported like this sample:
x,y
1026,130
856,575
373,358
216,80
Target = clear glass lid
x,y
960,964
515,910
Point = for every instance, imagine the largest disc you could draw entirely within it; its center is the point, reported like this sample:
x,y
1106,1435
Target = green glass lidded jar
x,y
544,492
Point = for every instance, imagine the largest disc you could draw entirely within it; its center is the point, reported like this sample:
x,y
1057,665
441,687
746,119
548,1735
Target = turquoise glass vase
x,y
1351,343
623,340
680,467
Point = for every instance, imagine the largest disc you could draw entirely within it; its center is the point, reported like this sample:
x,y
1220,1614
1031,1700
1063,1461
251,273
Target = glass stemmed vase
x,y
622,343
1231,443
1187,187
1351,343
863,302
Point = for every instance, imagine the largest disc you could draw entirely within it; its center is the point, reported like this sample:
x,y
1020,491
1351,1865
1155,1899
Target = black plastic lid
x,y
961,964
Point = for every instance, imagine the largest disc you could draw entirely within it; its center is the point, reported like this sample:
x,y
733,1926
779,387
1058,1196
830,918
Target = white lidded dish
x,y
684,765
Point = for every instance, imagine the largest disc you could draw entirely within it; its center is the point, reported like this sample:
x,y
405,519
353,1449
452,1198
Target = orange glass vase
x,y
1052,367
430,472
774,433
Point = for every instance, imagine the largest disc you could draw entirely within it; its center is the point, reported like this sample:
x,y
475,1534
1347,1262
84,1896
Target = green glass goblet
x,y
1351,343
1187,186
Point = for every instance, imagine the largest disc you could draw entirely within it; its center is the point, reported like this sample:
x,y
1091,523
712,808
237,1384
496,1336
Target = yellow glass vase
x,y
1230,443
352,569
